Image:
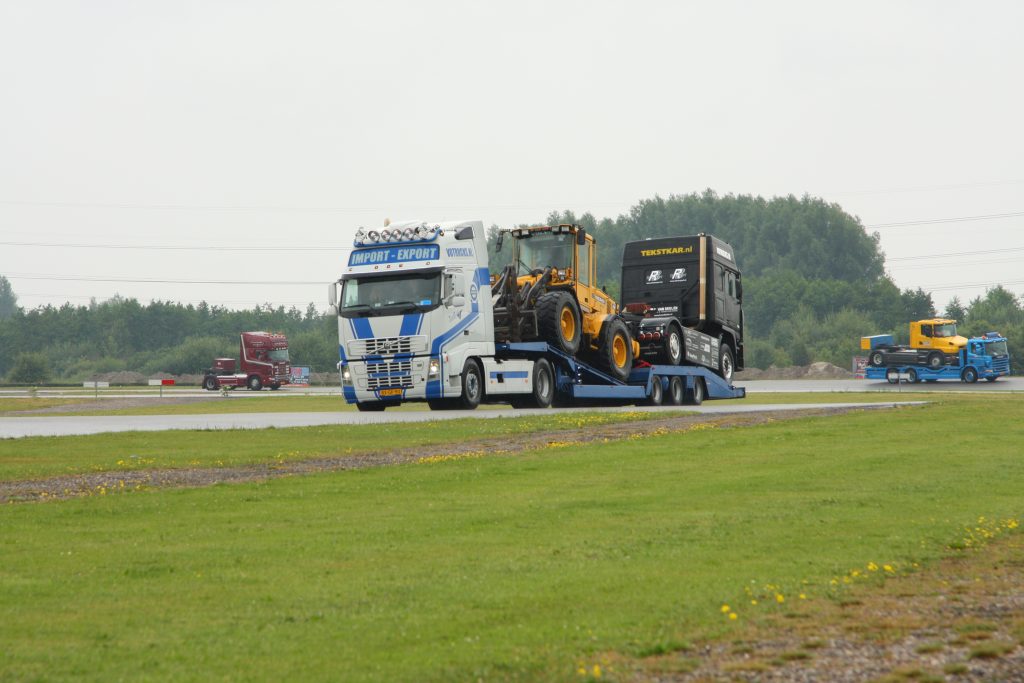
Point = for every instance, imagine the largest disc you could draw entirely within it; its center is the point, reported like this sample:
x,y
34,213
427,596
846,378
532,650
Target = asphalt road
x,y
17,427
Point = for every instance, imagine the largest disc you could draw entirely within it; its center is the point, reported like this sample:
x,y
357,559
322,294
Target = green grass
x,y
504,568
39,457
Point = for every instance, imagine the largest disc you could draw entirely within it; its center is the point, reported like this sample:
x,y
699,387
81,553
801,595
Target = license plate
x,y
397,391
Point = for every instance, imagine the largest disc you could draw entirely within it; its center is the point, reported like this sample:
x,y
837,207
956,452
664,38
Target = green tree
x,y
8,300
29,368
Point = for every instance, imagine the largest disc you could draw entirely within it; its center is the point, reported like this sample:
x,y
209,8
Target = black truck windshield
x,y
278,354
390,295
545,249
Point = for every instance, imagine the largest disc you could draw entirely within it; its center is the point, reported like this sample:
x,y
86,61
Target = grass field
x,y
501,568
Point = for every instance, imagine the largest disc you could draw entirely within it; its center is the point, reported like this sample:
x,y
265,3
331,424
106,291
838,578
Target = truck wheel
x,y
969,375
676,390
726,364
657,392
255,383
543,388
877,358
375,407
892,375
672,352
912,376
936,359
210,383
472,385
275,386
443,403
991,379
615,353
558,322
697,393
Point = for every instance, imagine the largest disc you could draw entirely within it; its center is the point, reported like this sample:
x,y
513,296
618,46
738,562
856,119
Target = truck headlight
x,y
346,376
434,369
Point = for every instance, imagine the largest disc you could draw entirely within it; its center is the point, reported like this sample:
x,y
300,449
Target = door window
x,y
583,264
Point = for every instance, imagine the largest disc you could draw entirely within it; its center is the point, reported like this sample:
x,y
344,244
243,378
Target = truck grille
x,y
381,375
1001,364
387,346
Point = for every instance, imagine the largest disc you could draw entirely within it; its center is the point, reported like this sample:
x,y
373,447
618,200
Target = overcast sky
x,y
181,148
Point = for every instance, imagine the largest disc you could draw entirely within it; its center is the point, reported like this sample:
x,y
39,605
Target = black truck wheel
x,y
969,375
672,351
877,359
676,390
912,376
936,359
558,321
472,385
255,383
375,407
615,353
892,376
726,364
543,388
697,393
210,383
657,392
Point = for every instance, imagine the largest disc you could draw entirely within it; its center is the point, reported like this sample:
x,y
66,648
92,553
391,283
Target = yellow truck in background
x,y
933,343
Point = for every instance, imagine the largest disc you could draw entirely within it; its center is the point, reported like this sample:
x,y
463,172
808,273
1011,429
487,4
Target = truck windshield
x,y
996,348
390,295
948,330
544,249
278,354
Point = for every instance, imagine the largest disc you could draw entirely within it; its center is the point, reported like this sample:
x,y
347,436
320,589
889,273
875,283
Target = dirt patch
x,y
962,620
102,483
109,404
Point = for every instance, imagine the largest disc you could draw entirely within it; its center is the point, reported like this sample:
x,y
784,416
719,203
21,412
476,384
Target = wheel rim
x,y
674,346
619,351
727,367
543,384
472,385
567,321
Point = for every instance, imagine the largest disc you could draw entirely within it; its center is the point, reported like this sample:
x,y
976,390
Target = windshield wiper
x,y
411,304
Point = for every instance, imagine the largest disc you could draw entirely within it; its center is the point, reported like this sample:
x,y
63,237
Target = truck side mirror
x,y
458,301
464,233
332,298
497,245
581,237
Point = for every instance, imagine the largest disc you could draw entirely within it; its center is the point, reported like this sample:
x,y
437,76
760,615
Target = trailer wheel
x,y
877,358
912,376
969,375
698,392
255,383
936,359
275,386
676,390
672,351
726,364
472,385
615,353
558,321
375,407
543,388
657,392
892,375
210,383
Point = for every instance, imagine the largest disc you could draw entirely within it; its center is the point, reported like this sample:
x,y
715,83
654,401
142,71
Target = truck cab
x,y
938,334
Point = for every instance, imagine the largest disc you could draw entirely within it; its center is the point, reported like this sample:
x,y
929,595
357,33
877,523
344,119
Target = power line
x,y
955,253
958,219
162,247
70,278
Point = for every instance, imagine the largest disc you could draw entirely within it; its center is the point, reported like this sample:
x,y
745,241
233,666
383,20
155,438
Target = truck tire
x,y
877,359
275,386
657,392
558,322
912,376
615,352
375,407
254,382
969,375
991,379
676,390
698,391
472,385
892,376
543,388
936,359
210,383
726,363
672,351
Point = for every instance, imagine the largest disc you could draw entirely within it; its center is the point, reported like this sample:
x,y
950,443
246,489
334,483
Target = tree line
x,y
814,283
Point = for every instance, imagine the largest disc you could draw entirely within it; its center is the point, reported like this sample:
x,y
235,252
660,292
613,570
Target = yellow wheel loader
x,y
549,293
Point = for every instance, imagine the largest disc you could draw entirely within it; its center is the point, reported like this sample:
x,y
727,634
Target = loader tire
x,y
558,322
615,353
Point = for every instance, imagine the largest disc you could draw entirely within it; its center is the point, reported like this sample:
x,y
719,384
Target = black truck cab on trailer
x,y
672,286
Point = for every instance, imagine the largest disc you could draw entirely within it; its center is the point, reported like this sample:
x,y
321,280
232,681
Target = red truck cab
x,y
264,362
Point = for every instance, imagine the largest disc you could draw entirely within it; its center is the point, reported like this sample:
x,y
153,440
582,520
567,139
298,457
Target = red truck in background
x,y
264,363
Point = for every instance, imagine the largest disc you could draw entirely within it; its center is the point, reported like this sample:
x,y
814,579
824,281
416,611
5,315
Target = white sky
x,y
219,125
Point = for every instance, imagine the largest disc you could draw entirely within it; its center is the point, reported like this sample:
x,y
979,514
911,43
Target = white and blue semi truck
x,y
416,323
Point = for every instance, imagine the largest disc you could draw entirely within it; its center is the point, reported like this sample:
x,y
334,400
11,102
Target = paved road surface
x,y
15,427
